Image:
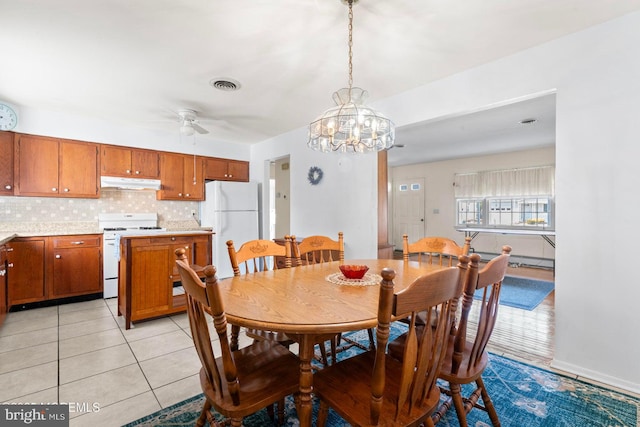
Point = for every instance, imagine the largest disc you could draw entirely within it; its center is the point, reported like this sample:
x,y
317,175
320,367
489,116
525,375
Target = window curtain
x,y
536,181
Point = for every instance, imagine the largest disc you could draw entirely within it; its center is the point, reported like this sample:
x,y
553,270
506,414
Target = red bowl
x,y
353,271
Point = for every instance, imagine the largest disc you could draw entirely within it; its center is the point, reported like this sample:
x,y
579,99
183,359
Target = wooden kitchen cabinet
x,y
53,267
76,265
129,162
26,270
226,170
147,273
6,163
54,167
182,177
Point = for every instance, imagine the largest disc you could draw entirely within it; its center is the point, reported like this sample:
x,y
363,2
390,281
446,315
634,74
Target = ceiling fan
x,y
189,123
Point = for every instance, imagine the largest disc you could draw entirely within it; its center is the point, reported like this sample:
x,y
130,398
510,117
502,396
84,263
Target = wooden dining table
x,y
306,303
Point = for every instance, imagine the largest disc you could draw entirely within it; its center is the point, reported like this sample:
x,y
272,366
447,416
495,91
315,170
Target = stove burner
x,y
114,228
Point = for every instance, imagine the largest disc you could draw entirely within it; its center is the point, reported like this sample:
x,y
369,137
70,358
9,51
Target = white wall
x,y
439,194
595,73
345,200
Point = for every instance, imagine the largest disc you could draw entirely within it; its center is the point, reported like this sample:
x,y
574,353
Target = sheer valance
x,y
535,181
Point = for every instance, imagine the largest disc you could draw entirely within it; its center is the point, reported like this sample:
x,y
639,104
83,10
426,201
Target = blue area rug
x,y
524,396
520,292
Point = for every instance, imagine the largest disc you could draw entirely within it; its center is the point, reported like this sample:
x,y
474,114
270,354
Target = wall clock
x,y
315,175
8,117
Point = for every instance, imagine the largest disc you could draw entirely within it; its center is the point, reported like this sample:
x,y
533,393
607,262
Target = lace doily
x,y
367,280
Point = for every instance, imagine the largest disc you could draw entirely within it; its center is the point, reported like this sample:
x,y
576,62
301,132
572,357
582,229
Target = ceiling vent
x,y
225,84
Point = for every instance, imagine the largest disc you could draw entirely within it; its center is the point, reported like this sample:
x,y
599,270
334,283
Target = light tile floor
x,y
81,354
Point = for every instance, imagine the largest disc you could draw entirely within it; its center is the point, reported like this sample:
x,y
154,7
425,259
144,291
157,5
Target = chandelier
x,y
351,126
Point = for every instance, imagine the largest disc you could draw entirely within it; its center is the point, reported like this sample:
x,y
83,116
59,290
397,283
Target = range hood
x,y
129,183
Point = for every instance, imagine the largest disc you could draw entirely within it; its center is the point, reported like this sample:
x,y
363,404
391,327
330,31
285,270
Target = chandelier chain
x,y
350,46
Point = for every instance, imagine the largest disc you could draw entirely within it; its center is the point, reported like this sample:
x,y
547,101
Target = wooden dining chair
x,y
435,250
252,257
237,383
466,353
316,250
257,255
373,388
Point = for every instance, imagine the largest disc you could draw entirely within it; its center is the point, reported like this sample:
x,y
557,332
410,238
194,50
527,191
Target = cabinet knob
x,y
187,195
54,189
180,194
7,187
3,272
8,249
173,239
58,256
128,171
10,264
137,172
66,190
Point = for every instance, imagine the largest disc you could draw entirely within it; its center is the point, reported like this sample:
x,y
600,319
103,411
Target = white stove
x,y
114,225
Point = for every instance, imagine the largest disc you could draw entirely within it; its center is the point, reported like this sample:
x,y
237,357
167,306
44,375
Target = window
x,y
519,212
516,198
469,212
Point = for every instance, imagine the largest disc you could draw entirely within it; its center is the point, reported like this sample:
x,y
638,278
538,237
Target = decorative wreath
x,y
315,175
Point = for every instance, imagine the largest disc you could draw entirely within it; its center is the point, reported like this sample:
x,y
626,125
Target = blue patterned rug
x,y
524,396
520,292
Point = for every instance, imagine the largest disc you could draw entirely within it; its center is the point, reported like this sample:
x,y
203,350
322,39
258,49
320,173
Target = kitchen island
x,y
148,281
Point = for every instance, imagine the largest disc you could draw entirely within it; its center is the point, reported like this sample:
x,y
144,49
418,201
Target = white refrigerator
x,y
231,209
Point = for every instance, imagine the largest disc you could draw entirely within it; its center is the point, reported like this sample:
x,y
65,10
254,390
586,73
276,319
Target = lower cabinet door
x,y
76,271
151,274
25,271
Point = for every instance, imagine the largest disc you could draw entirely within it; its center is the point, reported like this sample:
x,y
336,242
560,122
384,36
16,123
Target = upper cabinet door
x,y
6,163
226,170
172,176
115,161
145,164
78,169
238,171
129,162
36,166
193,178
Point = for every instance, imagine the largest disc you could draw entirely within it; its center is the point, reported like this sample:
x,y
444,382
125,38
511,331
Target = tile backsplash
x,y
53,209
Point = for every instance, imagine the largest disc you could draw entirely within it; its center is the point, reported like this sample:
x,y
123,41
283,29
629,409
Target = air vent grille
x,y
228,85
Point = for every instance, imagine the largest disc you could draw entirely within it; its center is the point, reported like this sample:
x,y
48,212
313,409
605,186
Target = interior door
x,y
408,210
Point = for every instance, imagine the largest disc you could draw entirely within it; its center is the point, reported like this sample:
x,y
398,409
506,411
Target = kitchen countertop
x,y
9,230
5,237
152,233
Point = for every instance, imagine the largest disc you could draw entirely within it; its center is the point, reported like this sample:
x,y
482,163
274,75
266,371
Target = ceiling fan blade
x,y
199,128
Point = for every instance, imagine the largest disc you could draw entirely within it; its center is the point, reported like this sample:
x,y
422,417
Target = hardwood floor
x,y
519,334
526,335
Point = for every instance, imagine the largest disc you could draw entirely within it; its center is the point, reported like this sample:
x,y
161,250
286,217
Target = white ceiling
x,y
139,61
